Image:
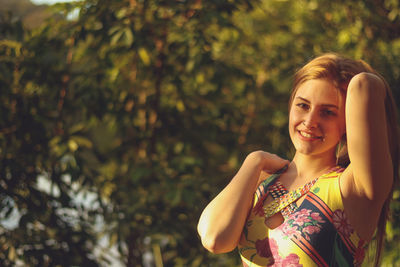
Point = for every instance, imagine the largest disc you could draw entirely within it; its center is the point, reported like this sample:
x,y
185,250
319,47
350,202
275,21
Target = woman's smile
x,y
309,136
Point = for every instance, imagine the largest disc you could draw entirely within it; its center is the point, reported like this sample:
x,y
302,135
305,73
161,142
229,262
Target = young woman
x,y
323,207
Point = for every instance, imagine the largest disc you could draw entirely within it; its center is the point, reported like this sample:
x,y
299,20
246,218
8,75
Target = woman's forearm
x,y
222,221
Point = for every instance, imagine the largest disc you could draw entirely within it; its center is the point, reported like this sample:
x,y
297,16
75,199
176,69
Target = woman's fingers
x,y
275,163
269,162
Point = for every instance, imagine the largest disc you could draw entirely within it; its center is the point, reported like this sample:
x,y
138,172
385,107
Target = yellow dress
x,y
316,233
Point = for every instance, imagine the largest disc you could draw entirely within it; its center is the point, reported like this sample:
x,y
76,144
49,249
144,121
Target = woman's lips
x,y
308,136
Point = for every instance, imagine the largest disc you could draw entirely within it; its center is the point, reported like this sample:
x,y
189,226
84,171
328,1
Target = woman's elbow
x,y
368,83
215,243
215,246
209,244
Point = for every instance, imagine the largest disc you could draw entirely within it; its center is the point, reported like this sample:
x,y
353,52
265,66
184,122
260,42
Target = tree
x,y
48,227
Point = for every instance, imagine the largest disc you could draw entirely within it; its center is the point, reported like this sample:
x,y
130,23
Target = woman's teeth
x,y
308,135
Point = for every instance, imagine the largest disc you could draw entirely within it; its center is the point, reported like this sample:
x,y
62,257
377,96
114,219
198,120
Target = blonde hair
x,y
339,70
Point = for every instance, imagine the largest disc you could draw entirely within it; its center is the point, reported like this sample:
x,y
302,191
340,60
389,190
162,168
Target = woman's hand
x,y
268,162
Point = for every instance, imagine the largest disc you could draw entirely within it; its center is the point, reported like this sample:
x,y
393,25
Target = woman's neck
x,y
308,166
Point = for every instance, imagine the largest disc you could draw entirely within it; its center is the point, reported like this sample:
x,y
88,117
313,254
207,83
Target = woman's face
x,y
317,118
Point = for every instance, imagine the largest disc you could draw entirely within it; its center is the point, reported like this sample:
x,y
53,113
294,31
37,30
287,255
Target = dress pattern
x,y
316,233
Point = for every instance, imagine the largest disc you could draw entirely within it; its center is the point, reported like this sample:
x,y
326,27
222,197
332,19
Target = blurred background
x,y
121,119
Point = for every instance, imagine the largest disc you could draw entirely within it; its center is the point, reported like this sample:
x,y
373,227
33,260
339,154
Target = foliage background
x,y
118,125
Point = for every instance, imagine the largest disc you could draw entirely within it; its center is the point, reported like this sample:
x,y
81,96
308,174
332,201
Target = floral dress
x,y
316,233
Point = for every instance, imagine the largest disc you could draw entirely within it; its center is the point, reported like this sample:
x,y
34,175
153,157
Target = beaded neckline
x,y
284,201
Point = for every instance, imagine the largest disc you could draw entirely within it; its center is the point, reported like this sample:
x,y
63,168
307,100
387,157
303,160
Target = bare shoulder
x,y
354,198
361,212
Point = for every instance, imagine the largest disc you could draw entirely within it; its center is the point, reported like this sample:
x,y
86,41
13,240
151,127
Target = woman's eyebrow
x,y
324,105
303,99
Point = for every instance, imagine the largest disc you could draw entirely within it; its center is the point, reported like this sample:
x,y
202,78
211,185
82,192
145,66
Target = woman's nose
x,y
311,120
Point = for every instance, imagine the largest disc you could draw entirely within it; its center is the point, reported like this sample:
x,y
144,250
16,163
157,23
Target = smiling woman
x,y
323,207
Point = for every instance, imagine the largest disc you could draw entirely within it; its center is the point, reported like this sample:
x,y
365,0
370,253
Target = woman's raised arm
x,y
222,221
367,137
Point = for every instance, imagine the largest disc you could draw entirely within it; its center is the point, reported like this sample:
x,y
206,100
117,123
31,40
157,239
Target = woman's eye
x,y
328,112
302,105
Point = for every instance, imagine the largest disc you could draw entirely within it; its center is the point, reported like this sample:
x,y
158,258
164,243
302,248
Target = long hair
x,y
339,70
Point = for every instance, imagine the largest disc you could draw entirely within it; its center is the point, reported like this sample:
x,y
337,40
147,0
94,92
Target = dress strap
x,y
287,199
262,190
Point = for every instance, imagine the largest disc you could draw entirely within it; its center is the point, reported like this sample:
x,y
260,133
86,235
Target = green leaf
x,y
144,56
